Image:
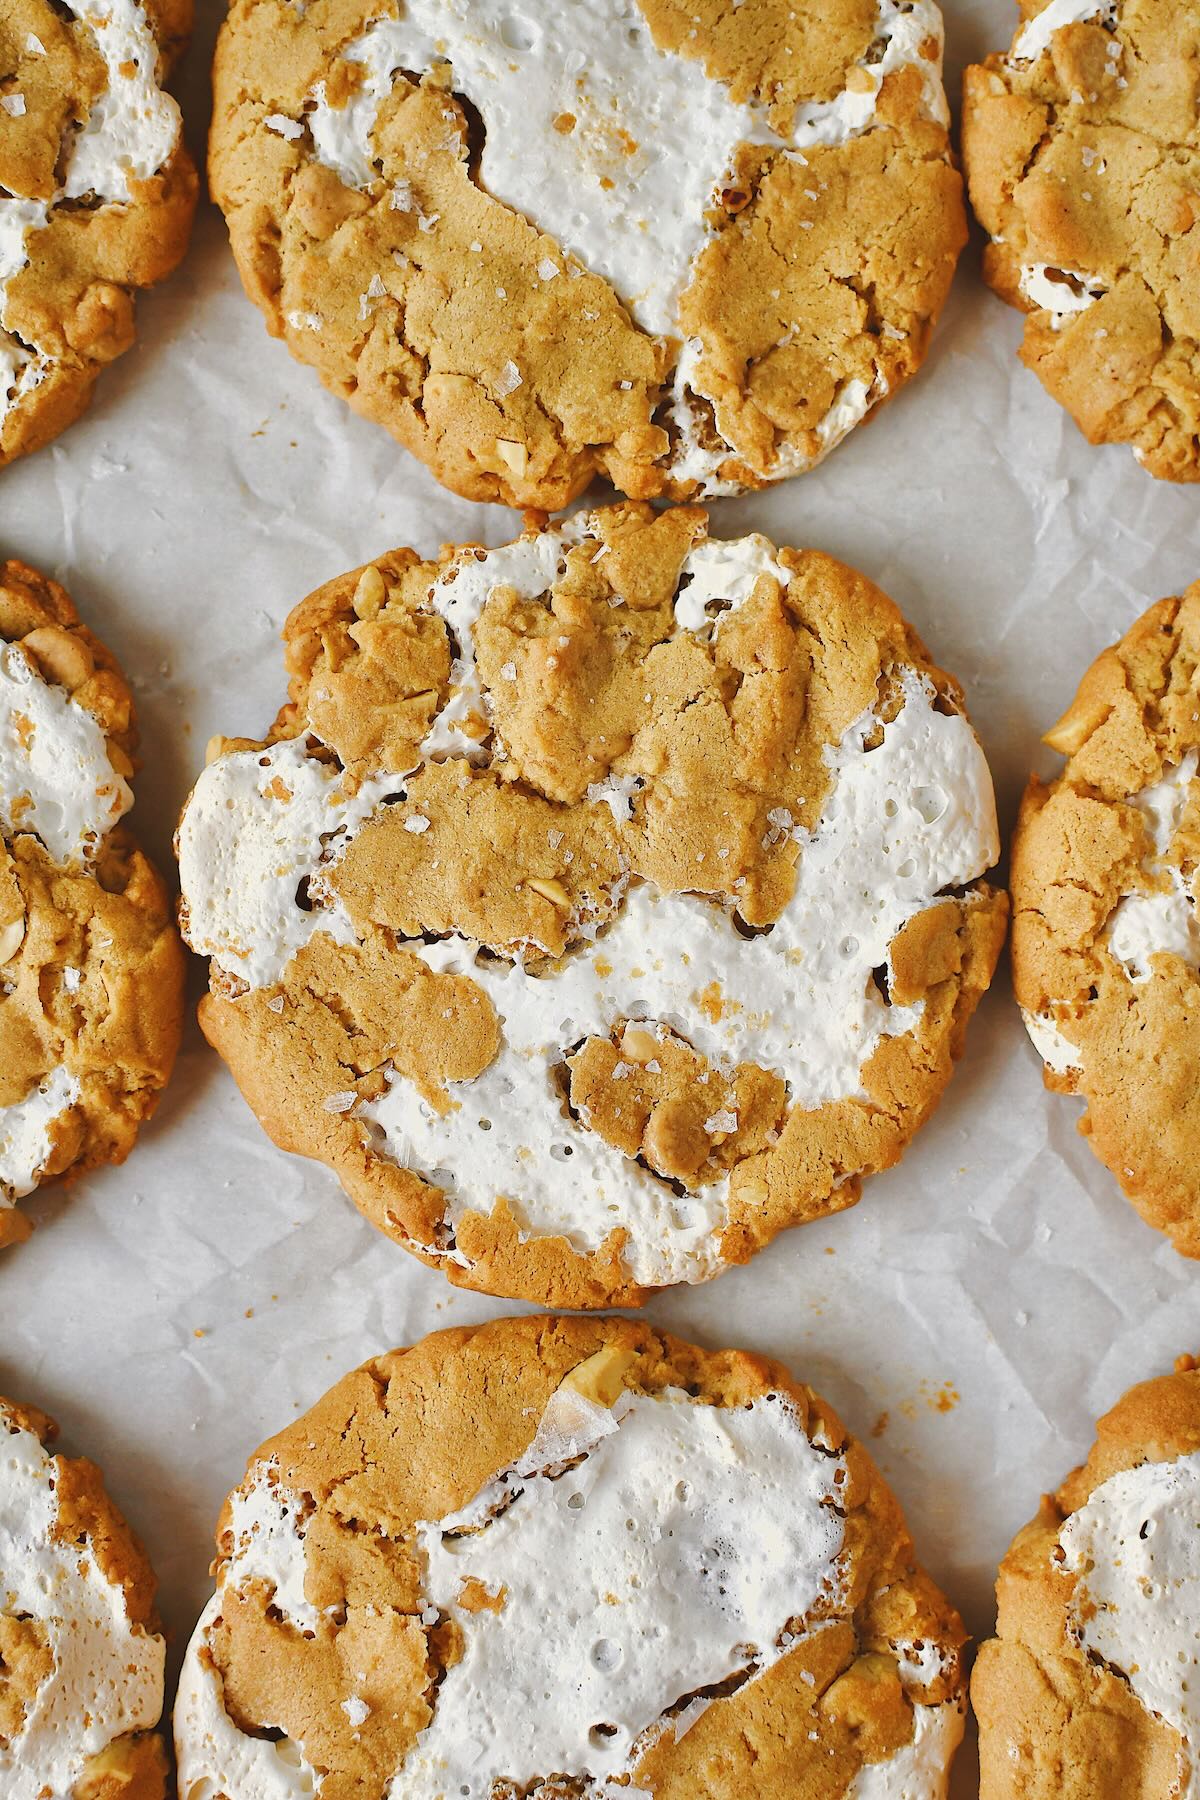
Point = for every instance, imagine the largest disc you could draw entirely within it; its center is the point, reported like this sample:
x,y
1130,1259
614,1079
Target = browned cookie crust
x,y
515,370
1083,164
331,1507
1104,958
54,1635
91,967
1054,1722
97,193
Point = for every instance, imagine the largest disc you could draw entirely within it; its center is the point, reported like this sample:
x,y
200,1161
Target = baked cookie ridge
x,y
553,1014
743,1601
431,210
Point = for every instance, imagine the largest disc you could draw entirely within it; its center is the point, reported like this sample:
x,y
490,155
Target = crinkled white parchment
x,y
175,1311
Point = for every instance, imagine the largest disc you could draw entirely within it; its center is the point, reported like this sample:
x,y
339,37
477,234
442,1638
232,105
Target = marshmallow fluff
x,y
56,779
1134,1549
107,1673
624,192
258,831
25,1133
130,134
919,1770
737,1539
905,819
1035,38
1164,923
1064,293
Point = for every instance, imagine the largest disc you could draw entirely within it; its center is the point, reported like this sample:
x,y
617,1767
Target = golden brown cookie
x,y
81,1657
1091,1688
685,247
1082,150
96,195
598,905
91,967
564,1556
1106,940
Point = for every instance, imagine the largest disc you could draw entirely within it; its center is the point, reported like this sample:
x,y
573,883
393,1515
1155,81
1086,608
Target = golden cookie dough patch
x,y
91,967
1106,939
1088,1690
562,1556
81,1655
1082,151
684,247
97,193
600,904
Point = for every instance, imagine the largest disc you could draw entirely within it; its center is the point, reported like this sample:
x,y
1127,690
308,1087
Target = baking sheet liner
x,y
983,1302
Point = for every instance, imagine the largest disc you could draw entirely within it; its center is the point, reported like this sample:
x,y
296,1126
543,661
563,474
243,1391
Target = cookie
x,y
1106,940
81,1656
91,967
684,247
565,1556
600,904
1089,1690
1082,152
96,196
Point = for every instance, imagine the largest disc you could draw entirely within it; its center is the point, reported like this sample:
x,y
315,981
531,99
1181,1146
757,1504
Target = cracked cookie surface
x,y
684,248
97,193
91,967
733,1599
1088,1691
81,1656
599,905
1082,152
1106,939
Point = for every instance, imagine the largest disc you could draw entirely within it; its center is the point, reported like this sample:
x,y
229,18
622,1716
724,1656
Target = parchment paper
x,y
990,1296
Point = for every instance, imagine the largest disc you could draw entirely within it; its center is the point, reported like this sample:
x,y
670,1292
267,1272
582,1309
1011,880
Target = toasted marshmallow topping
x,y
258,832
26,1133
107,1673
56,779
1134,1548
1064,293
904,820
1164,923
625,190
131,132
1035,38
735,1540
1055,1049
919,1770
